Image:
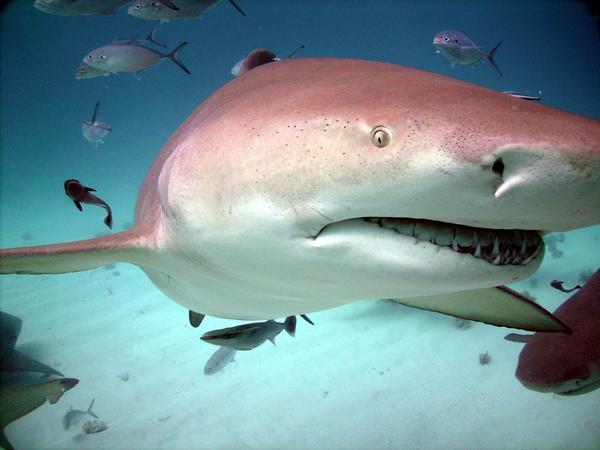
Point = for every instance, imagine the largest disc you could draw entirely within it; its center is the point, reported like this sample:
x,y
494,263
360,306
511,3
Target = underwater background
x,y
368,375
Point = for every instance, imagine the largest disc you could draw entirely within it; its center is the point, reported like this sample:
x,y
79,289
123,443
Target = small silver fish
x,y
123,56
78,7
459,49
95,131
524,96
219,359
75,416
163,10
251,335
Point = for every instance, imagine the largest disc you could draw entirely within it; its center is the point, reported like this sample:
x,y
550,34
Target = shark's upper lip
x,y
497,247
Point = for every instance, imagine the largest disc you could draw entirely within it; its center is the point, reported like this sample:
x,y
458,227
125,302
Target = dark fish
x,y
95,131
459,49
23,395
82,194
251,335
161,10
11,360
257,58
559,286
123,56
78,7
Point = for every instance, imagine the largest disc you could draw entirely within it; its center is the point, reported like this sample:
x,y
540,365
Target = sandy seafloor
x,y
371,375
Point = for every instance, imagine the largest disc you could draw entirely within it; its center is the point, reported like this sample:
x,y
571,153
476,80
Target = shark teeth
x,y
498,247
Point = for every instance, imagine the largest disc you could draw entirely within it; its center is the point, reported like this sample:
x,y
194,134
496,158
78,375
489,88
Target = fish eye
x,y
82,70
156,4
381,136
446,38
103,56
137,6
89,57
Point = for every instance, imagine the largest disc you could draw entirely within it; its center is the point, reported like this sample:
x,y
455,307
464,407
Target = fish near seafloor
x,y
566,364
22,397
459,49
75,416
160,10
219,359
256,58
250,335
78,7
95,131
130,57
352,182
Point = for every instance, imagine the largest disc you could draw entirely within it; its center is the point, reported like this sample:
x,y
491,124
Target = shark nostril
x,y
498,166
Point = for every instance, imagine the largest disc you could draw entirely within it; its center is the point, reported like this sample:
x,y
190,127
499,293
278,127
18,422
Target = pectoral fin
x,y
499,306
195,318
78,205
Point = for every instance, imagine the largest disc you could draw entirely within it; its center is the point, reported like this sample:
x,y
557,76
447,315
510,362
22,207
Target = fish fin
x,y
4,441
290,325
89,410
515,337
195,318
170,5
272,339
498,306
89,189
236,6
293,54
95,112
490,58
108,219
174,56
130,246
305,317
152,36
137,74
78,205
15,361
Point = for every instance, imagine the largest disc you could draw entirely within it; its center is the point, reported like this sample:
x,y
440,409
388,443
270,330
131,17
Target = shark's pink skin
x,y
567,364
255,207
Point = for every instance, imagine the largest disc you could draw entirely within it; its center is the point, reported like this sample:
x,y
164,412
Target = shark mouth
x,y
497,247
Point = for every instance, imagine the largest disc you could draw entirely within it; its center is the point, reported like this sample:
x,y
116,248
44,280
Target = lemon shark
x,y
306,184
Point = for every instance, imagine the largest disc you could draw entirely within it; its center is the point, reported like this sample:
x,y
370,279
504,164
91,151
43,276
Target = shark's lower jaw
x,y
497,247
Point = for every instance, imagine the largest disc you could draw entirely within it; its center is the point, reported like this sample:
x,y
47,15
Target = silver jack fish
x,y
251,335
78,7
75,416
459,49
219,359
184,9
123,56
95,131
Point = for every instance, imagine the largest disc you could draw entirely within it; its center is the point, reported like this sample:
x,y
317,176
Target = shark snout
x,y
549,189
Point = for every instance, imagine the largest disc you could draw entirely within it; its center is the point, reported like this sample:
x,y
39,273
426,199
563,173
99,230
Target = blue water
x,y
547,46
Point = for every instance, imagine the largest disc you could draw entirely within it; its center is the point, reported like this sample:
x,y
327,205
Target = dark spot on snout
x,y
498,167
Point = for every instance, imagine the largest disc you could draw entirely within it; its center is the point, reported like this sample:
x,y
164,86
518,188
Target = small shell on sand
x,y
94,426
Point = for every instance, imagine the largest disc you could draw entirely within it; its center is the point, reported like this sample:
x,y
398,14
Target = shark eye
x,y
381,136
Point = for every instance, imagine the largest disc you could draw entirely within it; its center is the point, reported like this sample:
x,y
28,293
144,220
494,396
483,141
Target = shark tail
x,y
77,256
490,58
290,325
174,56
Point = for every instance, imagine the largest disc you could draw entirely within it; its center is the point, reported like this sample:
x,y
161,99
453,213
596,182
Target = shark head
x,y
306,184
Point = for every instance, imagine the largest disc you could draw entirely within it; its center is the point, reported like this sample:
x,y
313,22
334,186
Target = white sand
x,y
372,375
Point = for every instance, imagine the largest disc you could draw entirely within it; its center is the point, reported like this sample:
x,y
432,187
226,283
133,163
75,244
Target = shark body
x,y
313,183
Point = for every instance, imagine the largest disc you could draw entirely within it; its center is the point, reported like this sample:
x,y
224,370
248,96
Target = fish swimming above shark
x,y
317,182
565,364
